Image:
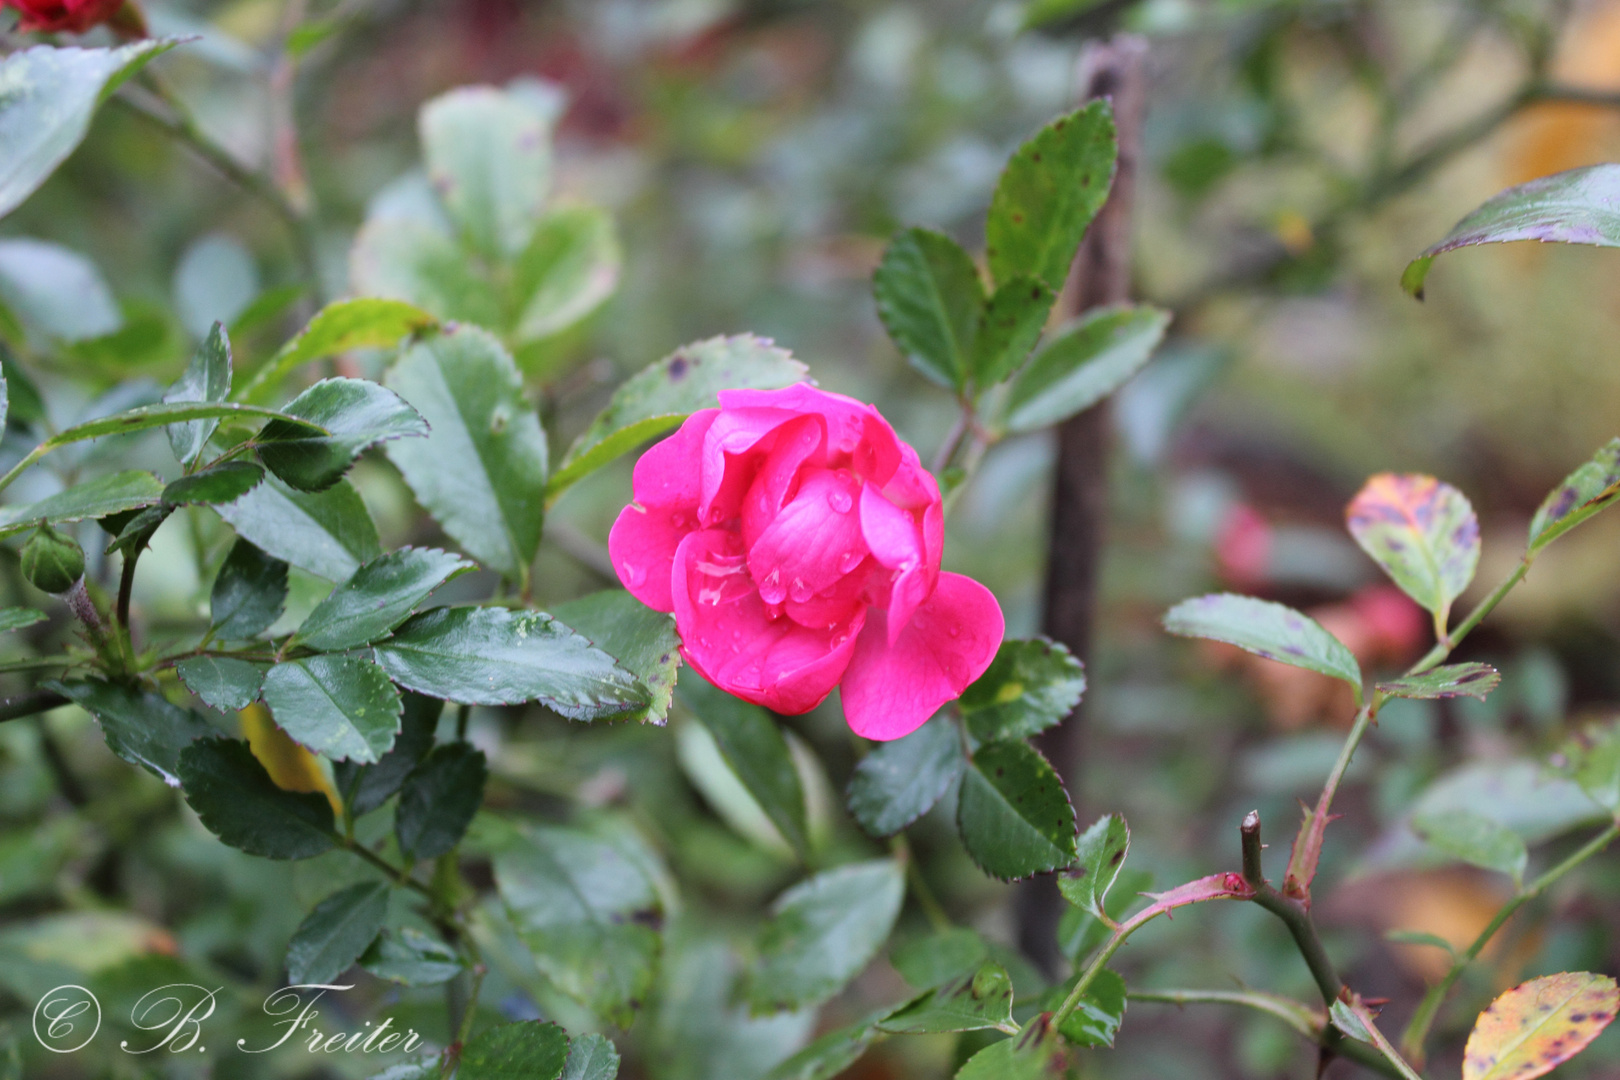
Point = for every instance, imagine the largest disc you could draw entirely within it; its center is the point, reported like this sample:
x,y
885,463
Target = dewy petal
x,y
730,638
643,540
667,474
778,473
732,436
813,542
898,543
890,690
857,435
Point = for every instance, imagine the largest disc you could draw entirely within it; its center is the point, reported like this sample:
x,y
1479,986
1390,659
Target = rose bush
x,y
797,541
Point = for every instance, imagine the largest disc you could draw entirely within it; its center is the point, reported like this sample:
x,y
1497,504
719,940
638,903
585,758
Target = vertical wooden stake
x,y
1115,69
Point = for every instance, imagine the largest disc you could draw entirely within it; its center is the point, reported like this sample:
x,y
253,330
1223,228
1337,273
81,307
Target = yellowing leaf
x,y
1541,1024
292,767
1422,532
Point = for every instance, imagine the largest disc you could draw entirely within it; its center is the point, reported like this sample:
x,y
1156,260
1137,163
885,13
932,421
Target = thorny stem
x,y
1417,1030
1123,931
1390,1053
1293,914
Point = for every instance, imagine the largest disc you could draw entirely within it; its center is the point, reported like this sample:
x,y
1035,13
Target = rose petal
x,y
727,633
642,547
899,544
728,466
890,690
667,474
777,476
812,543
858,437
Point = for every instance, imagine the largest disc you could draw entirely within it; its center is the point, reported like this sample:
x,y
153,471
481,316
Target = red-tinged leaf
x,y
1539,1025
1226,886
1422,532
1305,854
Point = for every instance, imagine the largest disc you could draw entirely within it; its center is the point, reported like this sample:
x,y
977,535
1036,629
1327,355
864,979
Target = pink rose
x,y
797,540
57,16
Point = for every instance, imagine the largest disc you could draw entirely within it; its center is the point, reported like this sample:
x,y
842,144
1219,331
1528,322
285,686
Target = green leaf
x,y
1102,851
366,787
381,595
138,528
1022,1057
899,781
526,1050
567,271
47,97
1096,1020
1049,192
208,379
417,264
1423,533
659,397
337,328
591,1057
96,498
439,799
411,958
1084,362
1345,1019
823,932
588,913
972,1003
223,682
341,707
428,1067
161,415
332,937
828,1056
481,473
1539,1025
642,640
488,155
752,744
240,804
15,618
494,656
249,592
1265,629
931,961
1448,681
140,726
1475,839
1013,320
1574,207
929,297
1585,492
1039,13
356,415
1030,686
329,533
1013,813
222,483
59,295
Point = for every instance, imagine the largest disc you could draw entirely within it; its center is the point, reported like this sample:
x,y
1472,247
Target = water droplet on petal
x,y
839,500
955,630
771,588
773,611
847,561
799,591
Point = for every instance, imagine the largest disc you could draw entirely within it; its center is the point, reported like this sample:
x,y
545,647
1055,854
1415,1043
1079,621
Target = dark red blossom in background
x,y
65,16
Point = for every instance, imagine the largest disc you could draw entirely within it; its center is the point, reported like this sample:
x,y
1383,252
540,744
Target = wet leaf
x,y
1585,492
354,414
1013,813
1102,851
206,378
591,1057
1026,1056
411,958
337,328
329,533
929,298
222,483
1048,194
140,726
341,707
1448,681
1097,1019
438,800
973,1003
526,1050
1574,207
1083,362
381,595
1538,1025
223,682
899,781
1265,629
1475,839
828,1056
249,592
753,746
110,494
823,932
332,937
642,640
1030,686
1422,532
240,804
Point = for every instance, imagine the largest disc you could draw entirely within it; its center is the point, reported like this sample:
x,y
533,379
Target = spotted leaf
x,y
1538,1025
1422,532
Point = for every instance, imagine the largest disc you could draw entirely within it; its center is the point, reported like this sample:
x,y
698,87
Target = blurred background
x,y
756,155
